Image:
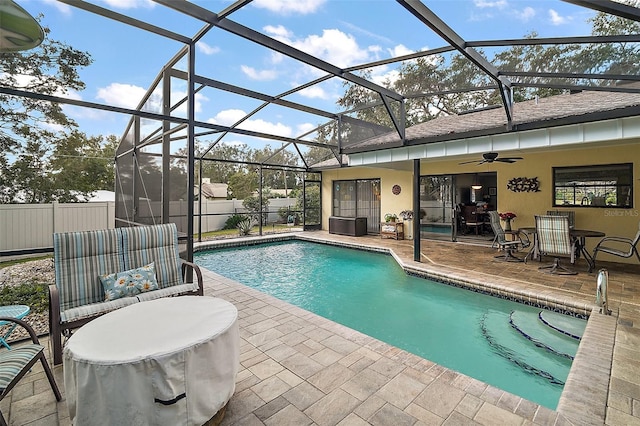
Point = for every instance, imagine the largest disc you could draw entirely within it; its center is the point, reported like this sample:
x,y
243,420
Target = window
x,y
608,185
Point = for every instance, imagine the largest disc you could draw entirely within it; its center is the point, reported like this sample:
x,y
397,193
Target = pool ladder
x,y
602,298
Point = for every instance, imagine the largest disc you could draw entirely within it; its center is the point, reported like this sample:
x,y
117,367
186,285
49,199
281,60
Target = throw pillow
x,y
129,283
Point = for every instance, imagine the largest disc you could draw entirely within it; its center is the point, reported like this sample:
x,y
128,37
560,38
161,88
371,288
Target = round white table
x,y
169,361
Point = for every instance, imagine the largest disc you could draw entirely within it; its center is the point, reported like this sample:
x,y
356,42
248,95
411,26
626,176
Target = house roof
x,y
547,112
214,190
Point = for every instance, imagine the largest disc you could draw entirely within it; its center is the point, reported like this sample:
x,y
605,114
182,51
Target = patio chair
x,y
16,362
554,238
568,213
520,239
471,218
617,246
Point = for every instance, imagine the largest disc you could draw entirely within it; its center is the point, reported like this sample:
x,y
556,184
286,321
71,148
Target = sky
x,y
126,60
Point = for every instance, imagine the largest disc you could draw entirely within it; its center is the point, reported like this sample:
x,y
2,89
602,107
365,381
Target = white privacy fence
x,y
31,226
25,227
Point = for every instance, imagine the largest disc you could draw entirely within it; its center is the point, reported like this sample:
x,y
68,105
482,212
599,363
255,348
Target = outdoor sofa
x,y
99,271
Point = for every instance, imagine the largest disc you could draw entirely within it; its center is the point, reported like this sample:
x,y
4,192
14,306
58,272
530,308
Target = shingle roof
x,y
544,112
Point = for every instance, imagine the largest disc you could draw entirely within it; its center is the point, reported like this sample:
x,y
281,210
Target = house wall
x,y
611,221
389,203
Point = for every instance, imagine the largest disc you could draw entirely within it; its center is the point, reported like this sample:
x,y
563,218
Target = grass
x,y
33,294
254,231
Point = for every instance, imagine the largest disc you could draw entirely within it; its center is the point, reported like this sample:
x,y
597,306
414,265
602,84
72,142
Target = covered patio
x,y
298,368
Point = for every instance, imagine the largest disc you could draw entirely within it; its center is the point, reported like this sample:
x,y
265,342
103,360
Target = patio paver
x,y
297,368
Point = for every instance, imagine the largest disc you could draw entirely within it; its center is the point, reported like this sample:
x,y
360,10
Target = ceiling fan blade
x,y
468,162
508,159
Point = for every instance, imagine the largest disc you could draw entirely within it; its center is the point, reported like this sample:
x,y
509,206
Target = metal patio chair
x,y
520,239
617,246
554,238
15,363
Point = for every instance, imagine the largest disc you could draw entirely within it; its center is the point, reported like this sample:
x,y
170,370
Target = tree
x,y
221,171
26,140
258,207
242,185
427,81
81,165
618,58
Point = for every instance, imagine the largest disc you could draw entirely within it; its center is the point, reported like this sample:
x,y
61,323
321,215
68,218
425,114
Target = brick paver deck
x,y
297,368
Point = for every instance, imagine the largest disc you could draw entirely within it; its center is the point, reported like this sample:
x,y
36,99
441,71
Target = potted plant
x,y
507,217
406,214
390,217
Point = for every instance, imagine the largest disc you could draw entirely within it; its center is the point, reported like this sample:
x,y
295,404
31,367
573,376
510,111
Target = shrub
x,y
245,225
233,221
33,295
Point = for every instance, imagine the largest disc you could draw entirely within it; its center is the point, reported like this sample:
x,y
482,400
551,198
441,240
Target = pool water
x,y
462,330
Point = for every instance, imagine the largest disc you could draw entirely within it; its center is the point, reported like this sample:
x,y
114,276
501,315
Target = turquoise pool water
x,y
465,331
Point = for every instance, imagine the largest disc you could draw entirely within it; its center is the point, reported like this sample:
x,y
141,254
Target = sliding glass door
x,y
437,207
358,198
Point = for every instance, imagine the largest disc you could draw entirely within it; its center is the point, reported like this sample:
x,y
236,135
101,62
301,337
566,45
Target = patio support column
x,y
191,148
166,148
416,209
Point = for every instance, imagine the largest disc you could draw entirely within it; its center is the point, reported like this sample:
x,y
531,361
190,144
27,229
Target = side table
x,y
169,361
13,311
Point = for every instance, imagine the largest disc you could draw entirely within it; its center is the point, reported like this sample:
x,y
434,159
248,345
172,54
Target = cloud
x,y
367,33
278,31
526,15
386,78
333,46
263,75
206,49
231,116
123,95
500,4
556,19
65,9
314,92
130,4
286,7
399,50
304,128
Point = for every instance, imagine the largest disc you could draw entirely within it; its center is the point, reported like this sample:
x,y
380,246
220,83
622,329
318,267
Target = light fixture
x,y
476,183
18,29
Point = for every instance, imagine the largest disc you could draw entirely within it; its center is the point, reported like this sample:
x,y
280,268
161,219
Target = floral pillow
x,y
129,283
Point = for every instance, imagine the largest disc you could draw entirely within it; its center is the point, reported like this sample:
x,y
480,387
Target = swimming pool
x,y
369,292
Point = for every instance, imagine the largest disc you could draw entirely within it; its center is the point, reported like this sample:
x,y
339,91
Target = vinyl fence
x,y
30,227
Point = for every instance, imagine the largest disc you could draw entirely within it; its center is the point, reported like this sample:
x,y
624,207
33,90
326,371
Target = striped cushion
x,y
158,243
13,361
553,235
93,309
79,257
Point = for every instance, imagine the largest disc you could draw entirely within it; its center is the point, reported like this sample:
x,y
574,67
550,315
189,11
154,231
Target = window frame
x,y
624,168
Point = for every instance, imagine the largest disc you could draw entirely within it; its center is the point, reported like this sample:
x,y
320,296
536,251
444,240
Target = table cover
x,y
170,361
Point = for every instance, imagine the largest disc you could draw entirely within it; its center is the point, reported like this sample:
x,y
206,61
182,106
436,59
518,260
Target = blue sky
x,y
343,32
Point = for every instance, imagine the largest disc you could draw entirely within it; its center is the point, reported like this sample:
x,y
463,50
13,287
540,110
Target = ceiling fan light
x,y
476,186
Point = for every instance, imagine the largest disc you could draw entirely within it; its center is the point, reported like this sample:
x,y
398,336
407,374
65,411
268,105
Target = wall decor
x,y
524,184
396,189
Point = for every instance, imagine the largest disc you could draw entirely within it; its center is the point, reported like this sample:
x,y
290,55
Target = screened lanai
x,y
197,117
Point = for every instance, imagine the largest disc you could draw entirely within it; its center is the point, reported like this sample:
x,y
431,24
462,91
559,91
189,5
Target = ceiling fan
x,y
490,157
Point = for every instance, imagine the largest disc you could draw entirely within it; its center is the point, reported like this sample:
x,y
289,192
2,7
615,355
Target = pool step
x,y
530,326
511,344
565,324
